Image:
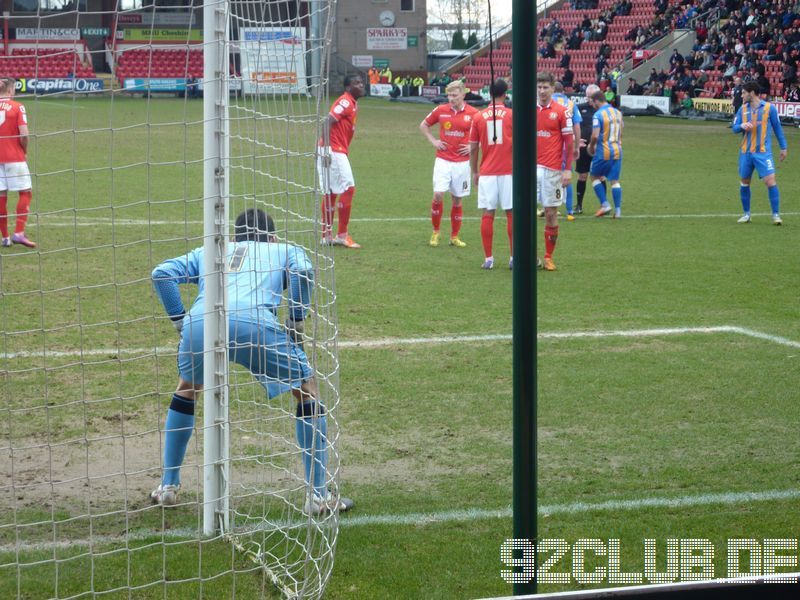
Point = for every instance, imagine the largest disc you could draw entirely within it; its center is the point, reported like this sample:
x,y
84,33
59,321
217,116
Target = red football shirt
x,y
553,130
343,112
12,116
454,127
497,154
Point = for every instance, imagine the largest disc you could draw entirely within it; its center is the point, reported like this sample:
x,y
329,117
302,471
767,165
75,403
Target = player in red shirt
x,y
491,135
451,167
14,173
554,151
333,166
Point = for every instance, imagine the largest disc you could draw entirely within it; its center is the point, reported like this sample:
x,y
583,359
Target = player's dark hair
x,y
253,225
350,77
752,86
498,88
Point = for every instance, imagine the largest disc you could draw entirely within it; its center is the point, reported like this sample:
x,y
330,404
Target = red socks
x,y
328,210
487,232
345,204
550,238
456,214
23,207
4,215
436,214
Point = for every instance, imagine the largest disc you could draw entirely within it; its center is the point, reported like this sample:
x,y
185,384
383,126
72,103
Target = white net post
x,y
215,225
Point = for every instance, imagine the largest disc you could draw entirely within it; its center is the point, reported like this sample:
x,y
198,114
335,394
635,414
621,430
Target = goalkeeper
x,y
258,271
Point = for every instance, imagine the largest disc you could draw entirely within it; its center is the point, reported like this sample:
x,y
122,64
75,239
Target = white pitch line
x,y
92,222
419,341
450,516
775,339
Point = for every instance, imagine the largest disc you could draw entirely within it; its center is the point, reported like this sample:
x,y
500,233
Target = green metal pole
x,y
524,82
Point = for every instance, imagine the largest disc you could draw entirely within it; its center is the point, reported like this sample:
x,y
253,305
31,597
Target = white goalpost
x,y
209,111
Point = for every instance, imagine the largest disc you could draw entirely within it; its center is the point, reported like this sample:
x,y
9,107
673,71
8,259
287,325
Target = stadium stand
x,y
751,40
44,63
159,63
478,74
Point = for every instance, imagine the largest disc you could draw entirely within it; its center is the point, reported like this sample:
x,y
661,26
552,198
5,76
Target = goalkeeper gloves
x,y
177,322
295,329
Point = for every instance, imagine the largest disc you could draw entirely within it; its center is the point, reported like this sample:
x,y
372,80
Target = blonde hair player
x,y
451,166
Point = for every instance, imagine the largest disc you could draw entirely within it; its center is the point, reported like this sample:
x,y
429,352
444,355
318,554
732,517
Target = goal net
x,y
206,112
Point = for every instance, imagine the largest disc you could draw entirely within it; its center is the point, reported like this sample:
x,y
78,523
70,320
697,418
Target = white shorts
x,y
14,177
338,177
549,191
453,177
496,191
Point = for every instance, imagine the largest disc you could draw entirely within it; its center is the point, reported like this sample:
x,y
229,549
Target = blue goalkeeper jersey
x,y
763,118
257,275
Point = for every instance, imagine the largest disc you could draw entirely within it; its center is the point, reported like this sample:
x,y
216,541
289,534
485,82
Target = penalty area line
x,y
436,340
546,510
433,518
94,221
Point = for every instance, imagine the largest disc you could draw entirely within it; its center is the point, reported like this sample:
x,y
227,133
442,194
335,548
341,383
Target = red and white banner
x,y
387,38
788,109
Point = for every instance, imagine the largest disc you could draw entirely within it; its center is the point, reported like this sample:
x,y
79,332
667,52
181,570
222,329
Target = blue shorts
x,y
610,169
264,348
760,161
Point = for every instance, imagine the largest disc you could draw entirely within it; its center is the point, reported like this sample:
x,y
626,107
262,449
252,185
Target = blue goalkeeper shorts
x,y
262,347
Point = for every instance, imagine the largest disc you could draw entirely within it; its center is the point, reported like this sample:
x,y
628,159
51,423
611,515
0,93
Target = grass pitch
x,y
686,432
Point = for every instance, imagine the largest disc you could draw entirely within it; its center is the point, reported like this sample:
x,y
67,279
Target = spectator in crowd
x,y
736,94
708,62
686,84
615,74
676,59
600,31
600,65
374,75
760,77
634,88
565,58
792,93
701,81
575,39
655,89
789,74
568,78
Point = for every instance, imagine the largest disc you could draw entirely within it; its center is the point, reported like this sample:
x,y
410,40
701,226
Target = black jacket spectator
x,y
634,89
565,58
568,78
